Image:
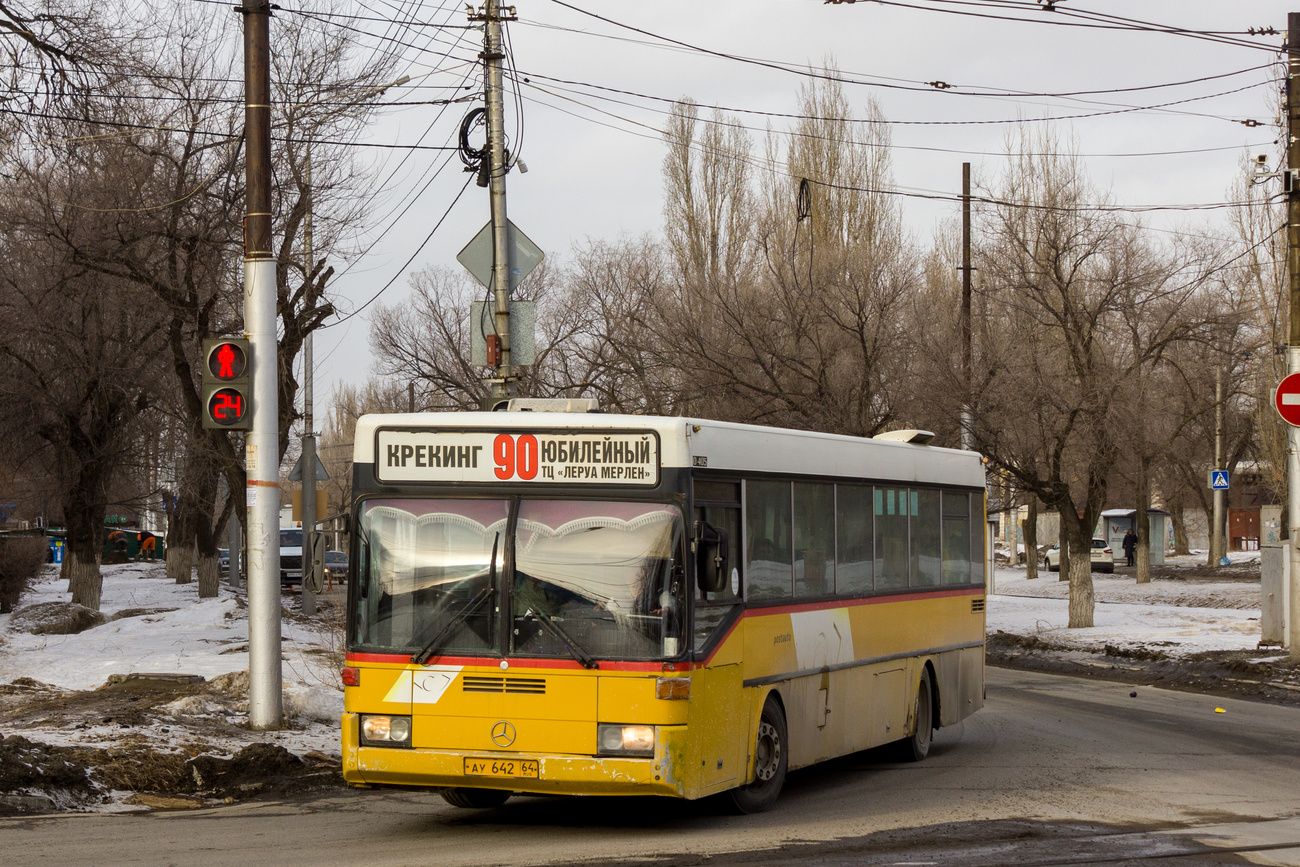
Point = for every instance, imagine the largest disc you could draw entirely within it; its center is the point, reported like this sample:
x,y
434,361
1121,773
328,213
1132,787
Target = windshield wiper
x,y
585,659
428,651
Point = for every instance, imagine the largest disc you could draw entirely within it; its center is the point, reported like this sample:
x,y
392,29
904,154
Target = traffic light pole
x,y
262,443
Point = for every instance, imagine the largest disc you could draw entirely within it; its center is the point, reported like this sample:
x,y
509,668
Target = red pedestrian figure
x,y
226,358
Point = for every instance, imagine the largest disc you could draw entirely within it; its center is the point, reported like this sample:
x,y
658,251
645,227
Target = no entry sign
x,y
1287,399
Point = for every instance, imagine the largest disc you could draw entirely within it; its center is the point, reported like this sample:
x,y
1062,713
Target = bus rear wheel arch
x,y
771,759
475,799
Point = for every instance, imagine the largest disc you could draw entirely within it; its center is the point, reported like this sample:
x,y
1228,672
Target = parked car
x,y
336,566
223,561
1103,558
290,557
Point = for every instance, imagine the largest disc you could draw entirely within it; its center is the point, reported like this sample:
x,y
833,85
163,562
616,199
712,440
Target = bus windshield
x,y
426,569
589,579
607,574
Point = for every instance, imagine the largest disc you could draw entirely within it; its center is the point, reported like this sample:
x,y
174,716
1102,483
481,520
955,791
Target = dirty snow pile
x,y
153,625
1180,612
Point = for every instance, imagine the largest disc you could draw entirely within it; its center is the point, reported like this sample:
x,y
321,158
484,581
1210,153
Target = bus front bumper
x,y
557,774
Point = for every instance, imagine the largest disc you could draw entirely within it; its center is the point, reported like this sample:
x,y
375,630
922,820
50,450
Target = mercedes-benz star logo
x,y
503,734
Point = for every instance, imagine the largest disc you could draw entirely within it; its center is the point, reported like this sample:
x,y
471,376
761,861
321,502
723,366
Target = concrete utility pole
x,y
262,450
967,365
1293,334
308,431
505,383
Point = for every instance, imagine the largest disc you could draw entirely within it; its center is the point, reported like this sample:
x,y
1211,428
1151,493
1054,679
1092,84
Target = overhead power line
x,y
1085,19
117,124
890,122
406,264
794,116
916,85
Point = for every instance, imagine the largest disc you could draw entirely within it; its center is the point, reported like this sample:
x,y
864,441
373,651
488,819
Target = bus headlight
x,y
618,740
385,730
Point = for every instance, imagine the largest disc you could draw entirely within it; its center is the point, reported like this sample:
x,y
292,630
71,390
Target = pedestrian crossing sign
x,y
1219,480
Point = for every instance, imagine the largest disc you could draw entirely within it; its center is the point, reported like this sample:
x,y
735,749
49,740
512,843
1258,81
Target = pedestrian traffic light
x,y
226,392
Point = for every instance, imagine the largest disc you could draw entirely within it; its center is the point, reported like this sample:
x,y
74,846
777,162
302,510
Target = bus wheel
x,y
480,799
771,755
917,747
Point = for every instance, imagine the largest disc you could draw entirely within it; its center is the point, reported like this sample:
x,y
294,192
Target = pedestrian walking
x,y
1130,547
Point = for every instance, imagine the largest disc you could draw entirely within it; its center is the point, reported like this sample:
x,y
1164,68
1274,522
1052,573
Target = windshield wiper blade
x,y
428,651
585,659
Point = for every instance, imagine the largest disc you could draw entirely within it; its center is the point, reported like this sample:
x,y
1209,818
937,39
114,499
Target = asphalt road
x,y
1054,770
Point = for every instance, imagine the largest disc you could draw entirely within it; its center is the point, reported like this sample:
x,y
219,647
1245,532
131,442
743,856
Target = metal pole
x,y
309,432
1216,535
236,543
504,384
1293,336
967,415
262,449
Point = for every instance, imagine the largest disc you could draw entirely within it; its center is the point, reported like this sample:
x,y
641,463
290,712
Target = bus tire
x,y
771,757
475,799
917,747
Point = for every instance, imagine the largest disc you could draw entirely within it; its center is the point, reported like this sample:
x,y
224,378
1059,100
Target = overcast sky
x,y
594,155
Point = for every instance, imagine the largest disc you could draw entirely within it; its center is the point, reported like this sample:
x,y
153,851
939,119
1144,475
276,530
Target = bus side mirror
x,y
711,565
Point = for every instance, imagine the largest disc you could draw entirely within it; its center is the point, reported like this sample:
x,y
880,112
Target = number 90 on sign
x,y
515,457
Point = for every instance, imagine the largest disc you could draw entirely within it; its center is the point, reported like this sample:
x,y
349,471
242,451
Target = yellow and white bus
x,y
591,604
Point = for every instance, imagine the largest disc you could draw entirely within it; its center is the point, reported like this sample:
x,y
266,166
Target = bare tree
x,y
82,368
177,226
793,315
1088,306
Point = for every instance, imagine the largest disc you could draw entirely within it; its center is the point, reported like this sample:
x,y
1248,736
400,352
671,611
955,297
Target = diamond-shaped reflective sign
x,y
524,255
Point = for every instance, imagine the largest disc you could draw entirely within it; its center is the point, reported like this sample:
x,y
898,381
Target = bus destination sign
x,y
493,457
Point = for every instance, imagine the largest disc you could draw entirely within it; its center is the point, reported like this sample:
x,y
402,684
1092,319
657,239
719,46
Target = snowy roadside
x,y
91,700
1178,612
1192,627
161,626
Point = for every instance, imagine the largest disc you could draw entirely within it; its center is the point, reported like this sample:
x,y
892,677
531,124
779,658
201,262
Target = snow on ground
x,y
1178,614
179,634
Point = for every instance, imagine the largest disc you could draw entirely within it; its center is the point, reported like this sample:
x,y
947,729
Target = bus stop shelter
x,y
1116,522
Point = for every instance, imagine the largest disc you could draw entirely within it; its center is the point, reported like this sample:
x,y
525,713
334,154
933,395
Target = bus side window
x,y
768,533
814,539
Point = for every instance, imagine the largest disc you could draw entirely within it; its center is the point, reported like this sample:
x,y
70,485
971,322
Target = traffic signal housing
x,y
226,393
